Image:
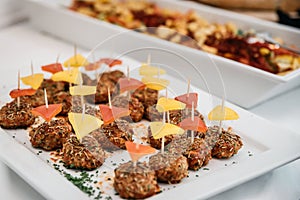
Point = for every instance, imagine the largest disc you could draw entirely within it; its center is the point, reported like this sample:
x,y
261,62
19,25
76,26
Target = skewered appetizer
x,y
156,143
50,135
136,179
116,130
52,87
223,145
169,168
16,114
87,154
135,182
176,116
89,130
13,116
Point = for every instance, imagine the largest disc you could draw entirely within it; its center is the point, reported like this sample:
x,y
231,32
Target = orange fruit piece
x,y
52,68
136,151
188,99
110,61
127,84
194,125
110,114
47,113
21,92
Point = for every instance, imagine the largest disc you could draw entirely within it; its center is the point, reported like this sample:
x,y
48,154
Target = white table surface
x,y
21,43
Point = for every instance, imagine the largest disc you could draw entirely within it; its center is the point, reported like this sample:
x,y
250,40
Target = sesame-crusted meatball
x,y
135,182
12,116
86,155
50,135
169,168
224,145
135,107
198,154
65,99
117,132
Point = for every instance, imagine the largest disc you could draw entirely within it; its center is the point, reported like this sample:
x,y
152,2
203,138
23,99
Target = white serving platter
x,y
256,85
266,147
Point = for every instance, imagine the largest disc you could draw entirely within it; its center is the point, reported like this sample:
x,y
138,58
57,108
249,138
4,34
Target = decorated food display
x,y
84,122
191,29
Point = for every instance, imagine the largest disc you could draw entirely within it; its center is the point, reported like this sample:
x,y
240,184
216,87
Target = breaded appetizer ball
x,y
135,182
52,87
50,135
198,154
12,116
224,145
87,155
169,168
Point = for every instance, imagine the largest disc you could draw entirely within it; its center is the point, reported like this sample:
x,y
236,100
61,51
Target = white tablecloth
x,y
20,43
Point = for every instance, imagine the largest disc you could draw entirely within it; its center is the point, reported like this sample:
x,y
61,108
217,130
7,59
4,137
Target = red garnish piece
x,y
129,84
110,61
21,92
113,113
52,68
188,100
137,151
47,113
92,66
196,125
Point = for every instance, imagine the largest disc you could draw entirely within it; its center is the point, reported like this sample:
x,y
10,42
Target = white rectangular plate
x,y
266,147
